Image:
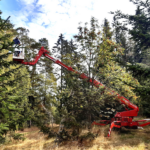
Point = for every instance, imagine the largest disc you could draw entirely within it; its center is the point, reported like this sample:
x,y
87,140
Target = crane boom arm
x,y
129,113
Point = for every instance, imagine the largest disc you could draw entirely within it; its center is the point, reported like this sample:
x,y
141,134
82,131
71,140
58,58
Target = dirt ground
x,y
126,140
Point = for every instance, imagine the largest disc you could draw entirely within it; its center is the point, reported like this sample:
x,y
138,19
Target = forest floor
x,y
135,139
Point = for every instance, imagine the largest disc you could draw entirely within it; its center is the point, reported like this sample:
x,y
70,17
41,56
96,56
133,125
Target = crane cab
x,y
18,55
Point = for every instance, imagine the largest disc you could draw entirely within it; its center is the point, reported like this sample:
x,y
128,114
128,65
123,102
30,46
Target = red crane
x,y
121,119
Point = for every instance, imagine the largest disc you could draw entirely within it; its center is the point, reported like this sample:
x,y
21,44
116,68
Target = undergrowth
x,y
91,140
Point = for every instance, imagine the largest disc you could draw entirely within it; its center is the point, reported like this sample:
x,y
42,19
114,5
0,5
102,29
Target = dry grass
x,y
127,140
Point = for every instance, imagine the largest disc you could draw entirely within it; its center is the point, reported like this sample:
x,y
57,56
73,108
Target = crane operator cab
x,y
18,54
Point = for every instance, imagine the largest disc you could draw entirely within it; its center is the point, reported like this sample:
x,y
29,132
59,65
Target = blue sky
x,y
49,18
10,5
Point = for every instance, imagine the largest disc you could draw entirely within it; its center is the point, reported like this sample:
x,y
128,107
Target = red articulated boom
x,y
121,119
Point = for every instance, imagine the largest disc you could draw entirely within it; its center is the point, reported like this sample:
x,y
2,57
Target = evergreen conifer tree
x,y
140,34
14,84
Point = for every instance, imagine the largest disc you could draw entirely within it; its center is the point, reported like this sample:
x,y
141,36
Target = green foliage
x,y
47,130
14,84
18,136
141,72
62,136
140,31
88,135
110,73
43,82
64,51
81,102
139,49
3,128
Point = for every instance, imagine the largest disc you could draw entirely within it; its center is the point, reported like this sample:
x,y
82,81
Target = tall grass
x,y
127,140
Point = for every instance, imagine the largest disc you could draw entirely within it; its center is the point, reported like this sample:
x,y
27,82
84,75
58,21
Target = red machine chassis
x,y
121,119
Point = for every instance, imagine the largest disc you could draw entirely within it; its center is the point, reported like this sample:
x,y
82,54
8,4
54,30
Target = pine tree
x,y
82,102
79,98
105,51
49,81
121,37
4,44
140,36
140,27
141,72
106,29
59,50
14,84
110,72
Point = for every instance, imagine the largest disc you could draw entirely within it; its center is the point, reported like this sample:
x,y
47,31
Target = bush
x,y
18,136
